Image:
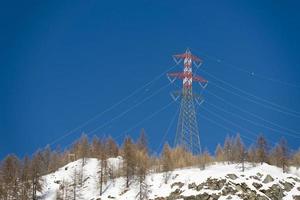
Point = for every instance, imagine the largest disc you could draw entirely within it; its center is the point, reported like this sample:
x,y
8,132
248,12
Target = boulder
x,y
257,185
214,184
259,175
268,179
287,186
255,177
232,176
295,179
179,184
296,197
275,192
227,190
192,186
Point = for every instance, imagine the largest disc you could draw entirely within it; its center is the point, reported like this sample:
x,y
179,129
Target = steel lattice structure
x,y
187,133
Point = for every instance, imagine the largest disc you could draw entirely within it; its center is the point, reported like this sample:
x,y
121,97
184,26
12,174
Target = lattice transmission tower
x,y
187,133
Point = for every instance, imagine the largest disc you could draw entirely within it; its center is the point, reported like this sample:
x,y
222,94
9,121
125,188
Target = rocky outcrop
x,y
274,192
228,187
178,184
232,176
268,179
296,197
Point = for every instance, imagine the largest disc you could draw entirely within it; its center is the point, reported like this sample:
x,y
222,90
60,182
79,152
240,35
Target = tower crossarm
x,y
197,78
187,55
182,75
179,75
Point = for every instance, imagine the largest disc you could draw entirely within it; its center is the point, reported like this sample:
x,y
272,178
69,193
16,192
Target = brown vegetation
x,y
21,179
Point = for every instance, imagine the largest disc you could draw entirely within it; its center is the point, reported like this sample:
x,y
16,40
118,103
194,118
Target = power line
x,y
225,127
128,110
168,129
251,73
252,114
250,121
145,119
230,122
286,111
279,108
111,107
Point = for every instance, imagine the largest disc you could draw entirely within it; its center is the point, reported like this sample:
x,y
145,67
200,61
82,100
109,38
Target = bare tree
x,y
167,164
55,161
74,183
83,148
45,160
142,143
280,154
96,147
129,160
25,179
142,170
238,149
35,174
103,165
112,148
251,155
219,153
261,149
228,149
10,173
296,159
205,158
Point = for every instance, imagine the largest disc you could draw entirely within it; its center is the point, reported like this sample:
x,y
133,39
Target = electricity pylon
x,y
187,133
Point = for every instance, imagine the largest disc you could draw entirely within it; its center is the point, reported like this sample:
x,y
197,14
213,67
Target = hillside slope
x,y
218,181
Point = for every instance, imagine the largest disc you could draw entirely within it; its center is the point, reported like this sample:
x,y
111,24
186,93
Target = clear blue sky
x,y
62,62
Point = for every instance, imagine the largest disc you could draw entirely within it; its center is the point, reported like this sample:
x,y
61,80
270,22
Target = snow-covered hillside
x,y
218,181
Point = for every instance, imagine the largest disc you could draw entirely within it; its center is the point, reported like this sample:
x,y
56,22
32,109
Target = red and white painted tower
x,y
187,134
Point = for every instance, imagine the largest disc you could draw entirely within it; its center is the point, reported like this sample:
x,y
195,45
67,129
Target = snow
x,y
158,188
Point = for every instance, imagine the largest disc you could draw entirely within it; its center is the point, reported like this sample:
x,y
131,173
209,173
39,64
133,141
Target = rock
x,y
239,188
111,197
179,184
287,186
232,176
199,187
228,190
204,196
175,176
214,196
255,177
295,179
214,184
298,188
257,185
242,187
296,197
192,186
175,194
190,197
274,192
259,175
268,179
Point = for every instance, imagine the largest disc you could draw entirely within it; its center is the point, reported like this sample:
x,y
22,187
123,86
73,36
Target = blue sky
x,y
63,62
